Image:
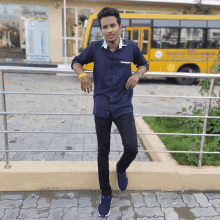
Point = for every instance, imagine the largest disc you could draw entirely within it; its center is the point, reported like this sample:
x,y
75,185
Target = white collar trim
x,y
105,45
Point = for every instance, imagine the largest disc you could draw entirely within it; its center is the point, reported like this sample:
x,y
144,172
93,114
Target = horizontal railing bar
x,y
67,69
84,94
90,114
93,132
208,135
192,152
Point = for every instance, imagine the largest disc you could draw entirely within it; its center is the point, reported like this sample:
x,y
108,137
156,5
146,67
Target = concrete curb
x,y
153,142
163,173
83,175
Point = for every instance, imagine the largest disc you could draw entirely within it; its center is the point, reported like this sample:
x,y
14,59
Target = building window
x,y
75,30
24,32
165,38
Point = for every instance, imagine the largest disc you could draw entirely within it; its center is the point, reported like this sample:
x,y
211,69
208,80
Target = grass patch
x,y
184,142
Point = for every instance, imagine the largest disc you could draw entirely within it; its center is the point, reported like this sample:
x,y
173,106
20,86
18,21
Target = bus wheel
x,y
186,81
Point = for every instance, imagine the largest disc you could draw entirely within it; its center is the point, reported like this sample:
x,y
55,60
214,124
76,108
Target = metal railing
x,y
70,72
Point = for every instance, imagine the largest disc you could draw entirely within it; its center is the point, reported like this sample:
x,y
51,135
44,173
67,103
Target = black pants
x,y
126,127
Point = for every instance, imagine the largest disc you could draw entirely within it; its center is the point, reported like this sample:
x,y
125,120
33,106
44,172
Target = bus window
x,y
135,36
95,34
125,34
145,41
212,40
165,38
192,38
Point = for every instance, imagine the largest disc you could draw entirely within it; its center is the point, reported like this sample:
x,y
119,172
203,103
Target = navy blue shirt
x,y
110,74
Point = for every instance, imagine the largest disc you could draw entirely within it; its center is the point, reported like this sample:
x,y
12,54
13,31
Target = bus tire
x,y
186,81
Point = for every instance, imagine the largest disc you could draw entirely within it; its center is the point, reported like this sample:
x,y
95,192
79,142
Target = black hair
x,y
107,11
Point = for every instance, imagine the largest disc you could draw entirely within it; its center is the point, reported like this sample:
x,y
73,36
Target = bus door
x,y
142,37
145,42
135,35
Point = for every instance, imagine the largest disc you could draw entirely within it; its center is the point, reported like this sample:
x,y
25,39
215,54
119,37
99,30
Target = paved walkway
x,y
128,205
66,205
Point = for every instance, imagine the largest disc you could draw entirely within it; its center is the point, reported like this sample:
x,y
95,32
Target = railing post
x,y
7,166
205,123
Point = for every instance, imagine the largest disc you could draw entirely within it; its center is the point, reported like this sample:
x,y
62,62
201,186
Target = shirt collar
x,y
121,43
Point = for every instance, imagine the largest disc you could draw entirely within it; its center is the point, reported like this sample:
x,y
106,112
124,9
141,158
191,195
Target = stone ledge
x,y
83,175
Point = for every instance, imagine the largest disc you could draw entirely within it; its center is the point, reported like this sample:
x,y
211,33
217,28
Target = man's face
x,y
110,28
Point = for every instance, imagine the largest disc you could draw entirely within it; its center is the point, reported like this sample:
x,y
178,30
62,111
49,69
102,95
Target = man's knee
x,y
132,150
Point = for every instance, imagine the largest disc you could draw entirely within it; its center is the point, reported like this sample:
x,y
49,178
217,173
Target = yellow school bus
x,y
169,42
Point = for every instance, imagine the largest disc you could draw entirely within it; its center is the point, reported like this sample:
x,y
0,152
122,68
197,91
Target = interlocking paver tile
x,y
212,195
64,203
84,202
149,212
30,201
209,218
167,195
204,212
43,203
34,213
10,214
10,204
170,213
56,214
151,200
202,200
120,202
127,213
145,218
70,213
11,197
215,202
86,212
171,203
190,200
138,200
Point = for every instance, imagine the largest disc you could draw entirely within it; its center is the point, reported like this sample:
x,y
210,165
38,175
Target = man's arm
x,y
142,70
133,80
142,67
85,81
77,65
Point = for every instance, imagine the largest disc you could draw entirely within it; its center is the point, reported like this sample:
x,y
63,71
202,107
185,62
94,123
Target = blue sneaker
x,y
122,180
104,206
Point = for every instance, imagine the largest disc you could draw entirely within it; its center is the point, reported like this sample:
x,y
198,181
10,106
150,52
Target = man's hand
x,y
132,81
86,84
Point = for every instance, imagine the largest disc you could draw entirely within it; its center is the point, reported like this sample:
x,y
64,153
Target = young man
x,y
113,91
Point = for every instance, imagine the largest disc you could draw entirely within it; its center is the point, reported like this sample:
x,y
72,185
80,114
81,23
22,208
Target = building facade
x,y
32,32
